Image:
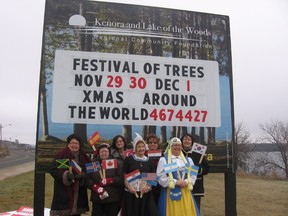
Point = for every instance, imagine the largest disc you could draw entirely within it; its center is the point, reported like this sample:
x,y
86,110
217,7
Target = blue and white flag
x,y
171,167
192,169
93,167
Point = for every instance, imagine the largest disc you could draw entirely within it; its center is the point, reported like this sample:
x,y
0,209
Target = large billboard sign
x,y
119,69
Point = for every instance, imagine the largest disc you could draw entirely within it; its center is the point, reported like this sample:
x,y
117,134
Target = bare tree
x,y
242,149
276,132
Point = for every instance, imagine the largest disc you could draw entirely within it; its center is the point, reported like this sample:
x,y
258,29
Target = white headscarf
x,y
137,139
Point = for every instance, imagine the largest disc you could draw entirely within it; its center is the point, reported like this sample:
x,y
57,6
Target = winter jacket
x,y
69,198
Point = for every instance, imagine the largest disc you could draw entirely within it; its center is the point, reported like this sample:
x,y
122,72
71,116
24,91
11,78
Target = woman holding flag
x,y
70,191
104,182
199,160
177,176
138,198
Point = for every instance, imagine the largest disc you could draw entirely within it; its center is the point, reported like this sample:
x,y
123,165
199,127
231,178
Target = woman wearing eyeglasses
x,y
176,183
153,145
70,191
105,196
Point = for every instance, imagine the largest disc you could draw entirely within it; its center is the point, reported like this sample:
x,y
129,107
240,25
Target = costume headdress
x,y
137,139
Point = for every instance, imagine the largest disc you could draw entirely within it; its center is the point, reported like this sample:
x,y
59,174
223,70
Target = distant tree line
x,y
274,132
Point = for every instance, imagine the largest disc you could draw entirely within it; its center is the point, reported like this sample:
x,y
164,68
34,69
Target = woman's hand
x,y
181,183
145,189
131,190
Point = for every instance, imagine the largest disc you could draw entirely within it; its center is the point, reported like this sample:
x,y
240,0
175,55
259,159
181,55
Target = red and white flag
x,y
109,164
154,153
132,176
149,176
198,148
75,166
128,152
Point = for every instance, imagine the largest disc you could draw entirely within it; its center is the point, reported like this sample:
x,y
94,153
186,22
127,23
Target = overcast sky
x,y
259,38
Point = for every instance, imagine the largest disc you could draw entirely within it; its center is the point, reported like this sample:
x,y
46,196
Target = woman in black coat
x,y
138,198
105,196
198,189
70,192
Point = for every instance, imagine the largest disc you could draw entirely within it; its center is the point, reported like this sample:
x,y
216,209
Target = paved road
x,y
18,162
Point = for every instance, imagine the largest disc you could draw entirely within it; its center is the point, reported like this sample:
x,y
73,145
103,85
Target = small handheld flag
x,y
192,169
128,152
154,153
171,167
134,180
149,176
62,163
76,167
132,176
93,167
198,148
94,139
109,164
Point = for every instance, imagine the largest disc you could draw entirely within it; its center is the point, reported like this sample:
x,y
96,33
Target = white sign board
x,y
108,88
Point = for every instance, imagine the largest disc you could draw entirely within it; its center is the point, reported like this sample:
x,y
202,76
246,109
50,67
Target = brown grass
x,y
255,196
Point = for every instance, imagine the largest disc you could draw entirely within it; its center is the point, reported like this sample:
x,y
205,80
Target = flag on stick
x,y
132,176
154,153
62,163
128,152
134,180
198,148
192,169
149,176
171,167
93,167
76,167
94,139
109,164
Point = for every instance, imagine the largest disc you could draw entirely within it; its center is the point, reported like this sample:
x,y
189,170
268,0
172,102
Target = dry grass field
x,y
255,196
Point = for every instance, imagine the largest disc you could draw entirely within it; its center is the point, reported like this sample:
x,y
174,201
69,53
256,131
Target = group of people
x,y
177,192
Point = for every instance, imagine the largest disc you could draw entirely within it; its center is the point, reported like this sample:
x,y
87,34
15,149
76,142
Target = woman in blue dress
x,y
176,197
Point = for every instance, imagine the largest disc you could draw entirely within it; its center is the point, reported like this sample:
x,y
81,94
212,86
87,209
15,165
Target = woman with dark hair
x,y
153,143
119,145
105,196
70,191
198,189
